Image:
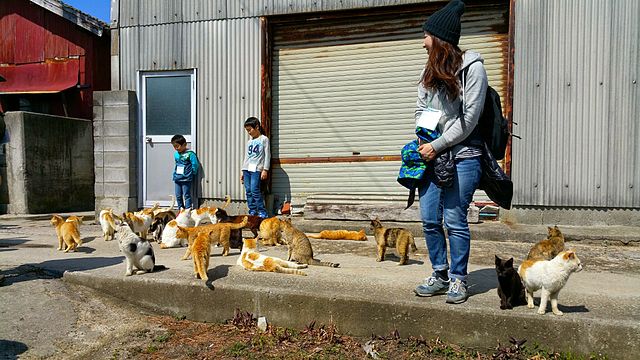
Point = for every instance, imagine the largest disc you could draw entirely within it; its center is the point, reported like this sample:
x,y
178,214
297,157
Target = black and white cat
x,y
138,252
510,288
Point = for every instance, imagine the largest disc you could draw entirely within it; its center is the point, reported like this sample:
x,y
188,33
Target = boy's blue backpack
x,y
492,125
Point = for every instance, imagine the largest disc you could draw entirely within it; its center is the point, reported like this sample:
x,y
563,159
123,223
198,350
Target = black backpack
x,y
492,125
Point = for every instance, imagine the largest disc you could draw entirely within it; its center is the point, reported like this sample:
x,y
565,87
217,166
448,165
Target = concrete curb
x,y
358,316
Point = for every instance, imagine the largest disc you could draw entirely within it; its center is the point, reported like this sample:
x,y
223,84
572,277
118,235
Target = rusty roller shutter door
x,y
344,93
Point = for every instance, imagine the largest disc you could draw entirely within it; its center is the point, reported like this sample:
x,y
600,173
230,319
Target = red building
x,y
52,58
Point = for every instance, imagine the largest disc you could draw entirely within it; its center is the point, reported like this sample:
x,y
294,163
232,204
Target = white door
x,y
168,107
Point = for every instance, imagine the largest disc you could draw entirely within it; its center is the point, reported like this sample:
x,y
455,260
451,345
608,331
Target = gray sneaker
x,y
432,286
457,293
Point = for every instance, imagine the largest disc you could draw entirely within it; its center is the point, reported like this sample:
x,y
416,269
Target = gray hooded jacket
x,y
454,126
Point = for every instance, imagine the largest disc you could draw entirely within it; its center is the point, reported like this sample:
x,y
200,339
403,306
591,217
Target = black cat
x,y
510,287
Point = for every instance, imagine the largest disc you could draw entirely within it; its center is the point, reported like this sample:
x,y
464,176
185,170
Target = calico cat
x,y
299,246
401,238
550,276
548,248
340,235
159,222
220,234
213,209
201,250
201,214
107,223
68,232
251,259
269,232
510,287
137,252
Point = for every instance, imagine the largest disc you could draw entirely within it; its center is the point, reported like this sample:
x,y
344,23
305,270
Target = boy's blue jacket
x,y
189,163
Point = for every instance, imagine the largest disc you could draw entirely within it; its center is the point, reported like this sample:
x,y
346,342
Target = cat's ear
x,y
569,255
498,261
509,263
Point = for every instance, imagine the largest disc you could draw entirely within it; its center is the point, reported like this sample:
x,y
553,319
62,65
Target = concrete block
x,y
98,159
117,128
116,189
117,159
116,112
115,175
98,189
118,204
99,175
119,97
97,98
98,129
97,113
116,143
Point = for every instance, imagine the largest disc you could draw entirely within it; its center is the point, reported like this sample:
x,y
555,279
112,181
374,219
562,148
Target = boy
x,y
185,171
255,167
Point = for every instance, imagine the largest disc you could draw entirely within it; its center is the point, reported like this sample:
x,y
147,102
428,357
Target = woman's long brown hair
x,y
443,63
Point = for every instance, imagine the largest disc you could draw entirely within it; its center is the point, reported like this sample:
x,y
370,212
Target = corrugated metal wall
x,y
577,103
346,88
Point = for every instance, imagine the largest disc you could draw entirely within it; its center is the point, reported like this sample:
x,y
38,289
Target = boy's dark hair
x,y
253,122
178,139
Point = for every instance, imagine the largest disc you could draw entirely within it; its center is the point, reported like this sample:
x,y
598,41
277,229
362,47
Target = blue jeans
x,y
183,191
254,196
451,204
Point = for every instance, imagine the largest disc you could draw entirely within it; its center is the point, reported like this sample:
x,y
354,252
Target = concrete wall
x,y
4,190
49,163
115,152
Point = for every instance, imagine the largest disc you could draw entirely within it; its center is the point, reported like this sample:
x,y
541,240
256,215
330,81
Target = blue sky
x,y
97,8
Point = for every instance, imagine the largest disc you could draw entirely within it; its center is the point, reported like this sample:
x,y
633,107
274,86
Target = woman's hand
x,y
264,174
242,178
427,152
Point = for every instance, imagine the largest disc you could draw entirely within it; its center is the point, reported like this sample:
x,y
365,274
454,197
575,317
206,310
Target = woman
x,y
453,103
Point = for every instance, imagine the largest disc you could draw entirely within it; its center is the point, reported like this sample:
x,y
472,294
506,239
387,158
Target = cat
x,y
269,232
299,246
107,223
510,289
170,232
220,234
212,210
68,233
139,222
548,248
340,235
253,224
75,218
201,214
550,276
401,238
170,208
251,259
159,222
138,253
201,250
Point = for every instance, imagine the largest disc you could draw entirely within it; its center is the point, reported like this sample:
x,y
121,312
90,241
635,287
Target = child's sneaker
x,y
263,215
432,286
457,293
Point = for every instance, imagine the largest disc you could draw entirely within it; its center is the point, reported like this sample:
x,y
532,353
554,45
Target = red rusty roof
x,y
49,77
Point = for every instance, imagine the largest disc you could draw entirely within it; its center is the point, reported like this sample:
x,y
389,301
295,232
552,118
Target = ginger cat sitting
x,y
548,248
220,234
340,235
270,232
67,232
250,259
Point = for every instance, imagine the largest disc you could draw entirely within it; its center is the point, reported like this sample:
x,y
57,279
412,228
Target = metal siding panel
x,y
30,31
7,33
129,12
129,57
153,12
198,10
564,109
161,47
57,34
354,92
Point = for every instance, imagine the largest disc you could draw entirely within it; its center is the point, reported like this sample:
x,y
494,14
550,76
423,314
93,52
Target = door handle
x,y
148,140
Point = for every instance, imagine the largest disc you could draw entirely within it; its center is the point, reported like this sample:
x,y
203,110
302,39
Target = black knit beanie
x,y
445,23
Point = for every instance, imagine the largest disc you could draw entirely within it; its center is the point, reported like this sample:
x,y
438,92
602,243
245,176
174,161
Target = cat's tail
x,y
414,248
109,219
159,267
323,263
284,270
244,223
314,236
227,202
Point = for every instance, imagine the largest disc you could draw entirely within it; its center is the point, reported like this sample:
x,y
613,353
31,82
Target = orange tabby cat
x,y
270,233
220,234
67,232
340,235
251,259
548,248
201,250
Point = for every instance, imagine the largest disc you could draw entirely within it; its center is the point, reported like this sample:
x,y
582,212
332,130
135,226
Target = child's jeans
x,y
183,191
254,196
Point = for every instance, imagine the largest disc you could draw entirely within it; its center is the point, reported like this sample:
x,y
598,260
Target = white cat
x,y
170,233
107,223
550,276
138,252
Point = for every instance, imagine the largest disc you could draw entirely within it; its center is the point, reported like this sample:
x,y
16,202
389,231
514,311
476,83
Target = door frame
x,y
141,75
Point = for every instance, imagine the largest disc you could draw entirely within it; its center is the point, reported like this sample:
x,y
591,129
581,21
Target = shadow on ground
x,y
53,269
